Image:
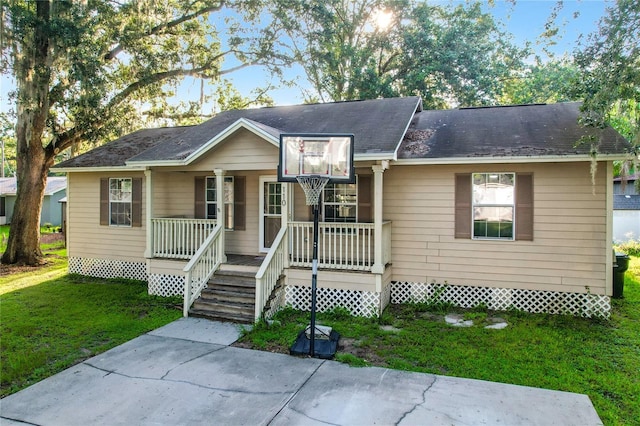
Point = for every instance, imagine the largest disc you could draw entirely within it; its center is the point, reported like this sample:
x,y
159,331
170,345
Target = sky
x,y
525,20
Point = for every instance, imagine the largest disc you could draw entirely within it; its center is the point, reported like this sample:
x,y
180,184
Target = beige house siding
x,y
243,150
568,252
86,237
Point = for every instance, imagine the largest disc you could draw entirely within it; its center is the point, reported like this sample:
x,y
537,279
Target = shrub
x,y
630,247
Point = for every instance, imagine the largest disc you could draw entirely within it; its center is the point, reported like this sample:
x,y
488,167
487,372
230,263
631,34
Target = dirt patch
x,y
17,269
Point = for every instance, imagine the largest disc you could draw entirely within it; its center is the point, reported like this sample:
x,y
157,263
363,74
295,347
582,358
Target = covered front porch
x,y
183,253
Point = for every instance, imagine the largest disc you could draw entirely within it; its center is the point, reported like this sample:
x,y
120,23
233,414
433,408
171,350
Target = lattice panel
x,y
277,303
166,285
108,268
500,299
360,303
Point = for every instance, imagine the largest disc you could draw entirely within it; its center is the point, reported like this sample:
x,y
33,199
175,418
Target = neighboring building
x,y
626,209
51,212
461,205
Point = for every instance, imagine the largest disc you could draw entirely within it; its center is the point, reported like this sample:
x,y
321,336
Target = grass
x,y
599,358
50,320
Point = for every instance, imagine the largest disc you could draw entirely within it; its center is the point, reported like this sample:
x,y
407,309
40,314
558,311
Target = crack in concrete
x,y
24,422
164,379
424,400
189,360
293,395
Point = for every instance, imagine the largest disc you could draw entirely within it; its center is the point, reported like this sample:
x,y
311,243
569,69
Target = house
x,y
458,205
626,208
53,193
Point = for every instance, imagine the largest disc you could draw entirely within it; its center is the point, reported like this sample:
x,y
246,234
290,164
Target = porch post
x,y
378,265
220,214
148,180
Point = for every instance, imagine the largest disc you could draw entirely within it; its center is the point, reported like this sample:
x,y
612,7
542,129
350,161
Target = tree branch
x,y
165,26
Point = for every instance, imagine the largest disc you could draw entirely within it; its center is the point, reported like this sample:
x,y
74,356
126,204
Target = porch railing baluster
x,y
348,246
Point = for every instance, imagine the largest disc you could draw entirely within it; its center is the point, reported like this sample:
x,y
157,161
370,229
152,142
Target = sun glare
x,y
382,19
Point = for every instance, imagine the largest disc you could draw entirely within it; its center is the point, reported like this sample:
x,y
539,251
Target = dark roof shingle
x,y
507,131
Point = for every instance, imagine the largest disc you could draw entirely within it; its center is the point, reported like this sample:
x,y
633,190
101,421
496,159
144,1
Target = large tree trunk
x,y
24,233
32,64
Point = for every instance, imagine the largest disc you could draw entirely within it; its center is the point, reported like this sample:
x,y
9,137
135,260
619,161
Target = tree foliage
x,y
84,69
609,68
543,82
447,55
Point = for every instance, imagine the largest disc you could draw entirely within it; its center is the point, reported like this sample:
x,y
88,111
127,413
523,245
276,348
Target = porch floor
x,y
244,260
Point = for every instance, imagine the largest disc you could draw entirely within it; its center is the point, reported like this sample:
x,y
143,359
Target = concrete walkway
x,y
186,374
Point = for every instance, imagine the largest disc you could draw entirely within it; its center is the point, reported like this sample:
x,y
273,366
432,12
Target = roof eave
x,y
510,159
99,169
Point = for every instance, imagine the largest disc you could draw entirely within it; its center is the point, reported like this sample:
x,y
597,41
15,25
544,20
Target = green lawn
x,y
50,320
599,358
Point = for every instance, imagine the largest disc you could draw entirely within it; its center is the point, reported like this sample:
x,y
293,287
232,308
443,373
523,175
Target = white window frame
x,y
495,204
228,202
340,204
116,197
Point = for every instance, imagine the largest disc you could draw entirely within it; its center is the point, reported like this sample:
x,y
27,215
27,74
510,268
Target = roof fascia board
x,y
501,160
417,108
238,124
99,169
373,157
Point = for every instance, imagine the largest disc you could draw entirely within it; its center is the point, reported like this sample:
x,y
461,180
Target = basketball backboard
x,y
325,155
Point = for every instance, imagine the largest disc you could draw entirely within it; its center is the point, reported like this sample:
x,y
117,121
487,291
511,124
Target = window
x,y
496,206
493,205
340,202
120,200
211,200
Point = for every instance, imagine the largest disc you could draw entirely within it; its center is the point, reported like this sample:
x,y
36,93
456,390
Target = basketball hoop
x,y
312,186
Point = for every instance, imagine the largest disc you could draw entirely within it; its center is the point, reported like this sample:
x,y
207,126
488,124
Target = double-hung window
x,y
493,205
211,200
120,201
340,203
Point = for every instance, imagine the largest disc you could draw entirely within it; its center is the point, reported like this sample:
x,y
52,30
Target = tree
x,y
446,55
82,68
543,82
610,71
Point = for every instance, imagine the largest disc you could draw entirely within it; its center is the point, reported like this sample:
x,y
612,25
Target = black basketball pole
x,y
314,280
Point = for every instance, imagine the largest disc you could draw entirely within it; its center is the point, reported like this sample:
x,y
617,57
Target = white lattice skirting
x,y
361,303
166,285
108,268
502,299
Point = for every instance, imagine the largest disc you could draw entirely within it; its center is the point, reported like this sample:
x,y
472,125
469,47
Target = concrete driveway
x,y
186,374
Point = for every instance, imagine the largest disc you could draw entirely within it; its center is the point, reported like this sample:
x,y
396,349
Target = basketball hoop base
x,y
324,348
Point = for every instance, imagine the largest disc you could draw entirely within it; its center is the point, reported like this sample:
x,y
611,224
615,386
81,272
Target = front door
x,y
271,201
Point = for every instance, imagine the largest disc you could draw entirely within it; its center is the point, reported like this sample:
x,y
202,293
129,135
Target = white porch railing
x,y
348,246
177,238
270,271
202,266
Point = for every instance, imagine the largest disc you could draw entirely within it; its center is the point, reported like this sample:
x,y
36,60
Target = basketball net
x,y
312,186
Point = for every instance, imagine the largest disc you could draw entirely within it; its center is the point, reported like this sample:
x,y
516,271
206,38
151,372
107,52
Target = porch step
x,y
229,296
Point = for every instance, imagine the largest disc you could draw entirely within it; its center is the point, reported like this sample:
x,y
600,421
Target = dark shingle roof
x,y
626,202
510,131
378,125
116,153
